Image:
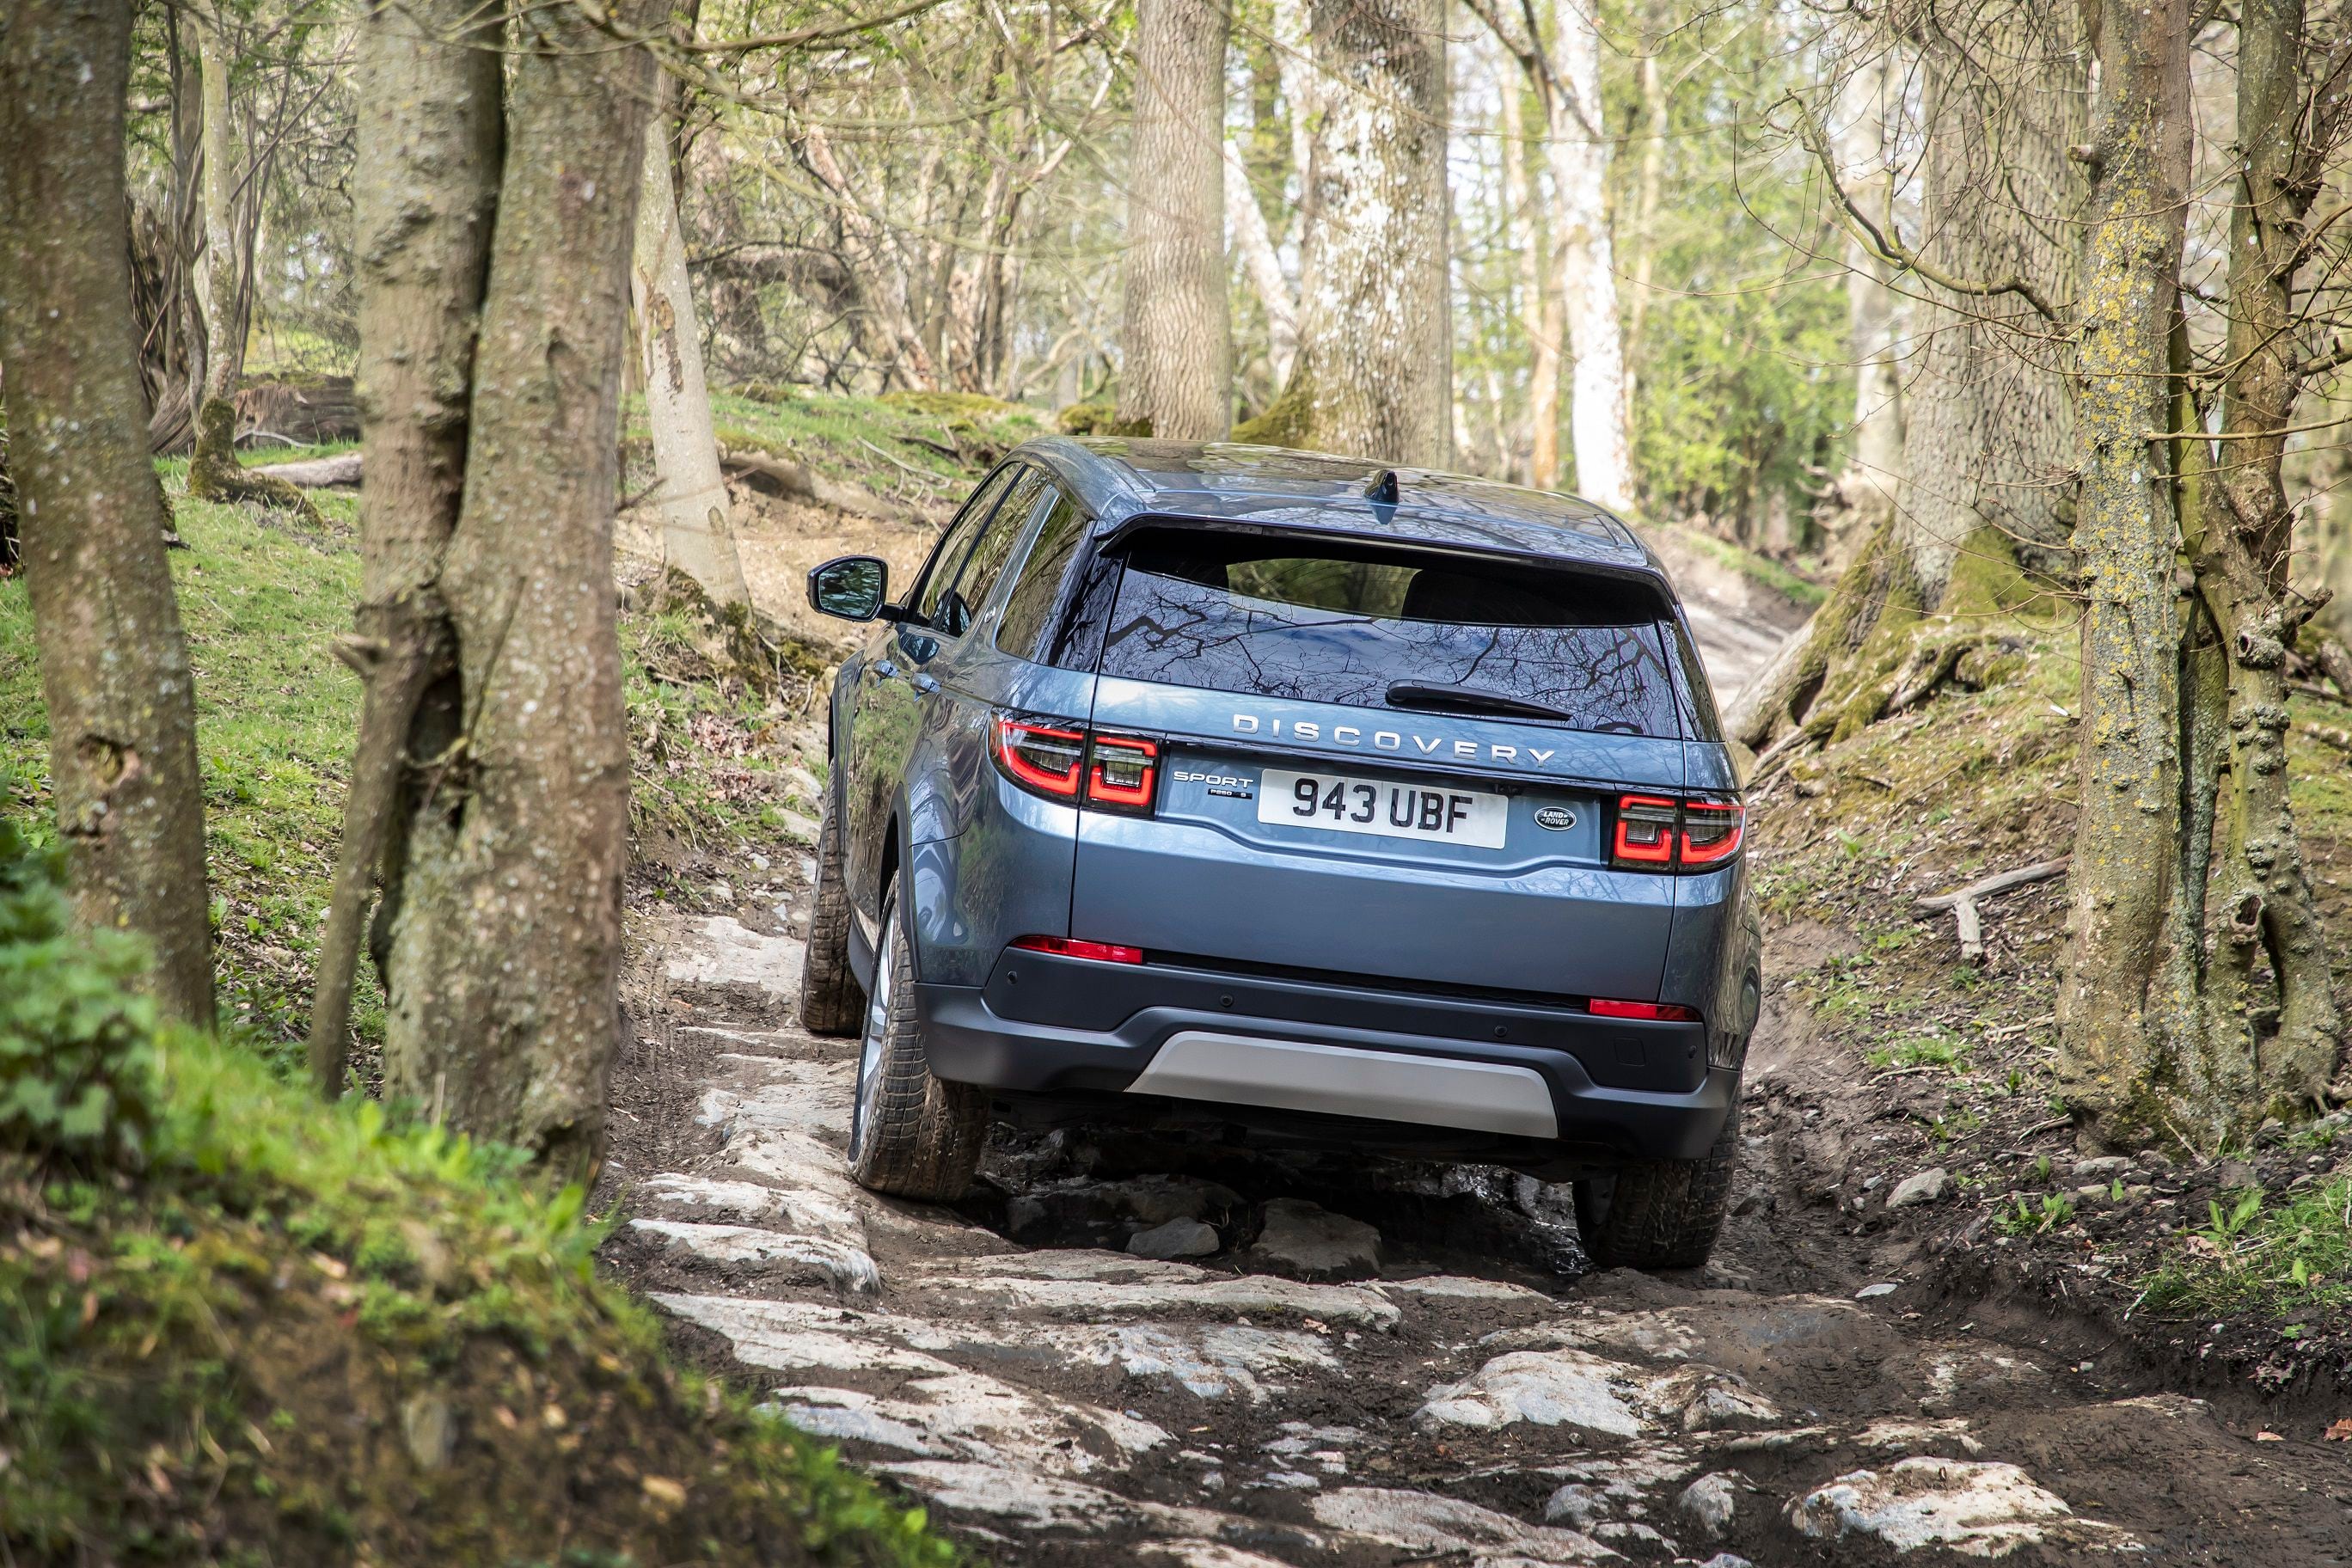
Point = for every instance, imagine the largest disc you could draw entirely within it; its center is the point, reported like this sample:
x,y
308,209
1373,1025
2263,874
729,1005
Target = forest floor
x,y
1393,1364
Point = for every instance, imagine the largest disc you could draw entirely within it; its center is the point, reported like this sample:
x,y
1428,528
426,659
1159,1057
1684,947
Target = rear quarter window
x,y
1369,627
1029,606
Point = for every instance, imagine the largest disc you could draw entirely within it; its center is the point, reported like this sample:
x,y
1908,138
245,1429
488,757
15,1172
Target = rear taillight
x,y
1071,947
1648,1012
1661,833
1062,762
1645,830
1122,772
1712,830
1040,757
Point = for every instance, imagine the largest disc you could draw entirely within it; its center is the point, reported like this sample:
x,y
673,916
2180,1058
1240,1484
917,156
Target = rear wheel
x,y
831,1003
911,1133
1659,1214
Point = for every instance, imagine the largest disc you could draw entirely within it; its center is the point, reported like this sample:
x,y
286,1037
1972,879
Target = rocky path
x,y
1366,1367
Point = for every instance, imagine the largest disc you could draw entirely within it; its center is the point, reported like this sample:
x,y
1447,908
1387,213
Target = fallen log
x,y
341,472
1963,903
796,480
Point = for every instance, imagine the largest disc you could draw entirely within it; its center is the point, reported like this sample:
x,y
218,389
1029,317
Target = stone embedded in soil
x,y
732,953
1575,1388
1711,1500
1441,1526
798,1258
970,1415
1179,1237
1974,1507
1191,1293
1309,1241
1926,1187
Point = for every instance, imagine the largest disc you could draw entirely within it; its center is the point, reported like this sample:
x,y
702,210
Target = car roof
x,y
1277,490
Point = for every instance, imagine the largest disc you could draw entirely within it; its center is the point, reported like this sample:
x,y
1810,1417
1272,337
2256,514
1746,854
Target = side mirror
x,y
851,587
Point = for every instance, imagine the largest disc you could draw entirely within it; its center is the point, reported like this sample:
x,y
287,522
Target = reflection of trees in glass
x,y
1186,633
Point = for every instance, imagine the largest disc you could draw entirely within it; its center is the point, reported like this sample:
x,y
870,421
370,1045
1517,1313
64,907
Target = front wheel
x,y
911,1133
1659,1214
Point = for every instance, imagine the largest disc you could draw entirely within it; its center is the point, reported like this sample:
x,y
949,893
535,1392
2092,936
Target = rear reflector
x,y
1651,1012
1070,947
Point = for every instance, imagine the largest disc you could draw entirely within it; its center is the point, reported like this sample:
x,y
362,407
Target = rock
x,y
1555,1388
1976,1508
1177,1238
1872,1293
802,828
1304,1240
1926,1187
2104,1166
428,1429
2234,1175
1711,1500
1727,1560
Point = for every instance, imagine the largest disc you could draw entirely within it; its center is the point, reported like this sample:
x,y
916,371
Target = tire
x,y
1659,1214
911,1134
831,1002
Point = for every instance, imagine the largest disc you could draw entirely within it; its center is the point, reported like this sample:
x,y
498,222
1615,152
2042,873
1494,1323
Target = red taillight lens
x,y
1123,773
1648,1012
1712,830
1645,830
1039,756
1071,947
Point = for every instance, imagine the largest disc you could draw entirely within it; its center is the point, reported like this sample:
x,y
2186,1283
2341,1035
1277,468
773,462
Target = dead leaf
x,y
2268,1437
2339,1431
663,1492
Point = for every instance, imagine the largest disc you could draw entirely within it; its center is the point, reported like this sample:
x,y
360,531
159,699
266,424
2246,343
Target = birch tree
x,y
1374,372
115,676
1874,471
1176,352
690,494
1252,241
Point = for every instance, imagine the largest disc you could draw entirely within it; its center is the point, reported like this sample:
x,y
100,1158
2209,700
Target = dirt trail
x,y
1457,1394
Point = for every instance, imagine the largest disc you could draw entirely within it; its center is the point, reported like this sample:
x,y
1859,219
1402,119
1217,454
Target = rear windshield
x,y
1392,629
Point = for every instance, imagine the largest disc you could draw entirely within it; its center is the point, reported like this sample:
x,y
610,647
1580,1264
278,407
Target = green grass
x,y
1763,568
879,442
2284,1256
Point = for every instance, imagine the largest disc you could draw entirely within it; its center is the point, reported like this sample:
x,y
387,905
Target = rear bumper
x,y
1515,1083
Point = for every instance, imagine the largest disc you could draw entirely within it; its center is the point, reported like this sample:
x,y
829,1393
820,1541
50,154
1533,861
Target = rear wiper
x,y
1469,700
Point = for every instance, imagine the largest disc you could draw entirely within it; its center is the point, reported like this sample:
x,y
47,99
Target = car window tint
x,y
961,604
1345,625
1038,587
939,574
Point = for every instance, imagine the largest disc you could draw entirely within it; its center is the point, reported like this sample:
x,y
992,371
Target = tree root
x,y
214,474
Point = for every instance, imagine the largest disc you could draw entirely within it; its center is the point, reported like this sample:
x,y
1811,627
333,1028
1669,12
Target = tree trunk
x,y
220,273
1175,374
425,193
697,533
2248,1028
504,948
114,666
1540,313
1375,369
1987,419
2129,828
1252,242
1585,254
1875,469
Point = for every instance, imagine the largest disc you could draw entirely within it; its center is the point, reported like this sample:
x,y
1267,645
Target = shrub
x,y
77,1038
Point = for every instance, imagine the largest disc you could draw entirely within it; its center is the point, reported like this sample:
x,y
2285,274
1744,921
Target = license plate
x,y
1439,813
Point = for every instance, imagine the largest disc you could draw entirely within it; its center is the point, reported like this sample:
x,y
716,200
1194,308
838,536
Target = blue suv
x,y
1309,801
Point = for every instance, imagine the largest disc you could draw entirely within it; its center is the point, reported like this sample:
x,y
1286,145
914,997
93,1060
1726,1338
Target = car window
x,y
1391,628
960,606
939,572
1020,629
